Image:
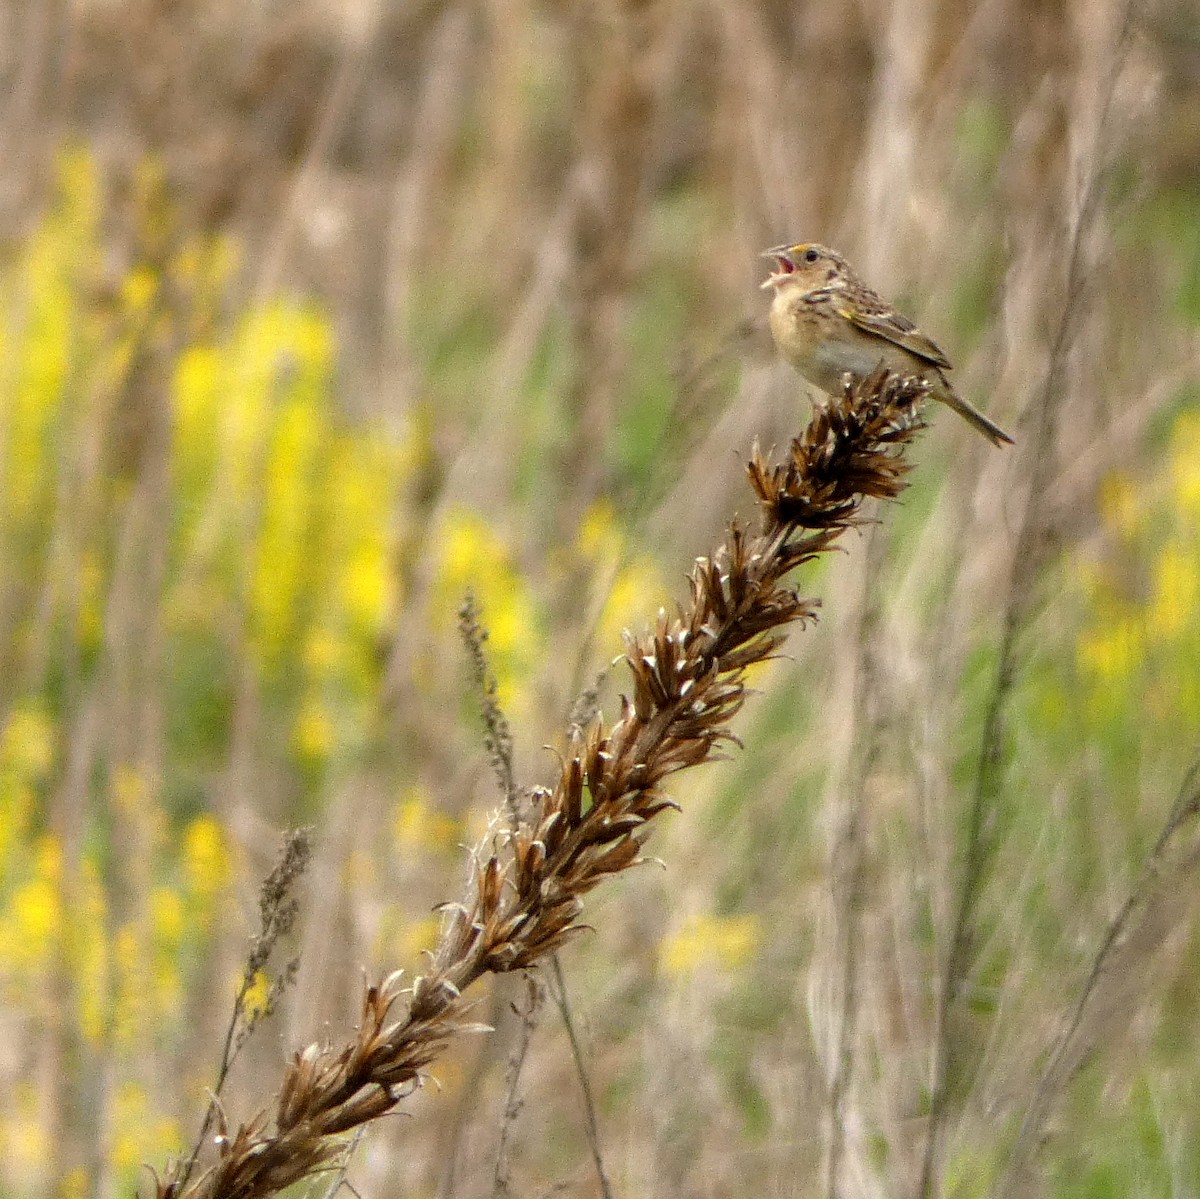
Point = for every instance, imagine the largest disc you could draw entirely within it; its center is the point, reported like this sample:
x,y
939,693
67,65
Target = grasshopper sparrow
x,y
828,324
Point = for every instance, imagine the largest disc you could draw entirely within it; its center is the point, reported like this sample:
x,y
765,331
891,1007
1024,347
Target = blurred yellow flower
x,y
196,391
290,484
206,860
367,585
324,653
31,924
27,743
167,916
600,537
511,622
257,995
635,587
1175,600
1113,650
469,548
707,941
57,259
1185,465
140,1134
419,826
636,592
139,288
417,937
75,1184
315,733
472,557
365,472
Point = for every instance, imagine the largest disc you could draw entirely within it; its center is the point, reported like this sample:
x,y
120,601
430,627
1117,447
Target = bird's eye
x,y
811,255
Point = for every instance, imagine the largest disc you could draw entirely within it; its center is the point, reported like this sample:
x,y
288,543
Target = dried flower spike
x,y
688,682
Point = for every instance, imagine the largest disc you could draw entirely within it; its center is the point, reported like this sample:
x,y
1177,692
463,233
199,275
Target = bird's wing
x,y
881,320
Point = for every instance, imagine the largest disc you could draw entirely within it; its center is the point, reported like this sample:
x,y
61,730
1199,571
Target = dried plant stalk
x,y
527,896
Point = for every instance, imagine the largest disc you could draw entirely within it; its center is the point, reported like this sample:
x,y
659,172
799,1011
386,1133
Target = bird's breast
x,y
824,347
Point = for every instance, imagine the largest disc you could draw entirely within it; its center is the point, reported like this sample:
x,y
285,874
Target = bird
x,y
828,324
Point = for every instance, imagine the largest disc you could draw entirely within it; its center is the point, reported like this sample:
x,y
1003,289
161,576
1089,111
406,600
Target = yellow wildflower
x,y
419,826
1112,651
207,864
720,942
1176,596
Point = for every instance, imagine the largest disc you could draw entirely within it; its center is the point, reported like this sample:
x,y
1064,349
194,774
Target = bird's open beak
x,y
784,265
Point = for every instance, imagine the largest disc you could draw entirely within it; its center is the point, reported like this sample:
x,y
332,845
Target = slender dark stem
x,y
530,1016
339,1178
558,993
497,734
277,913
229,1052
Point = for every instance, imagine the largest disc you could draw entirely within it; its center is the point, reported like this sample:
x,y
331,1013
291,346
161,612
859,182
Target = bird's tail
x,y
972,416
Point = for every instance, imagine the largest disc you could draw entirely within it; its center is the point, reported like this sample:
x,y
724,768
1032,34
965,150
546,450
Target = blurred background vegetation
x,y
314,317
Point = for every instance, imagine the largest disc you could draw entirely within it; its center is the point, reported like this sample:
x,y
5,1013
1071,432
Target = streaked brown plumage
x,y
827,323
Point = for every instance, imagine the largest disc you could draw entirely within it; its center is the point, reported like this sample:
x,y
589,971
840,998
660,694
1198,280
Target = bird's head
x,y
807,264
